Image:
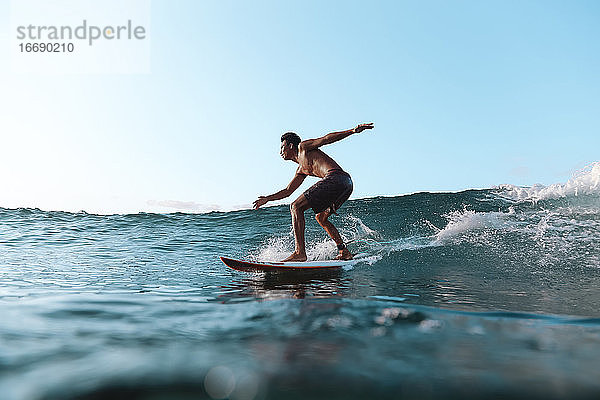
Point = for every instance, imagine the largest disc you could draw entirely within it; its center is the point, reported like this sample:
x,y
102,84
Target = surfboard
x,y
262,266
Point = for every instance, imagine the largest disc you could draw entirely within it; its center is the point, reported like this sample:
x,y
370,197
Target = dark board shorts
x,y
331,191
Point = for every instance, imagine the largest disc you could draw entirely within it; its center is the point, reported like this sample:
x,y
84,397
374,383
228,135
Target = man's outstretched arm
x,y
282,194
332,137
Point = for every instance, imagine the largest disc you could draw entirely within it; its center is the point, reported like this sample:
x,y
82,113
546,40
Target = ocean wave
x,y
585,182
520,226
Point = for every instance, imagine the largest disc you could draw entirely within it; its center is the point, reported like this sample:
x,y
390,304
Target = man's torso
x,y
315,163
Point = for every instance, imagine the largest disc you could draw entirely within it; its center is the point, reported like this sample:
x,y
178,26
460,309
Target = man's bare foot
x,y
296,257
344,255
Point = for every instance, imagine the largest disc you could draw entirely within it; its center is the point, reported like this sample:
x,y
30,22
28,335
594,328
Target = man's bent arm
x,y
333,137
291,188
282,194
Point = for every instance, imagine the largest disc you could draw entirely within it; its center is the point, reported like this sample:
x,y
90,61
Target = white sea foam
x,y
279,247
276,248
373,244
461,222
583,182
549,236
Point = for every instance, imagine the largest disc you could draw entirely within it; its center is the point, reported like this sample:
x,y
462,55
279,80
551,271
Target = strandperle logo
x,y
84,31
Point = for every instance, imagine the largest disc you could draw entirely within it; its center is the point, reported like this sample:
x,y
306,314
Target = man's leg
x,y
297,209
322,219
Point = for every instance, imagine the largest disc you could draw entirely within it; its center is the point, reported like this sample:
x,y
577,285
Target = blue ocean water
x,y
478,294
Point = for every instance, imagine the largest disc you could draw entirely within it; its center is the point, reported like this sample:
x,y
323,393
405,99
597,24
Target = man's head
x,y
289,145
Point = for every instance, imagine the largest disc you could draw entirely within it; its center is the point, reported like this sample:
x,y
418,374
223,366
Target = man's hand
x,y
262,200
361,127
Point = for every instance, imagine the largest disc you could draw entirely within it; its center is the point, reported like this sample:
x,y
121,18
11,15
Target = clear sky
x,y
463,94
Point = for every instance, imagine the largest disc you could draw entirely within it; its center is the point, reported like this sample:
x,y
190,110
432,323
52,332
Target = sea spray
x,y
583,182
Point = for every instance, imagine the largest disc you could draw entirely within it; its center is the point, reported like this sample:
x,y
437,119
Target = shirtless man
x,y
325,196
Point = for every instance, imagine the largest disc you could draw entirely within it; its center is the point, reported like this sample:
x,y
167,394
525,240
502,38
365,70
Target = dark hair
x,y
292,138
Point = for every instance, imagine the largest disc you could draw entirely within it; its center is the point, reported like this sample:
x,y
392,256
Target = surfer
x,y
325,197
